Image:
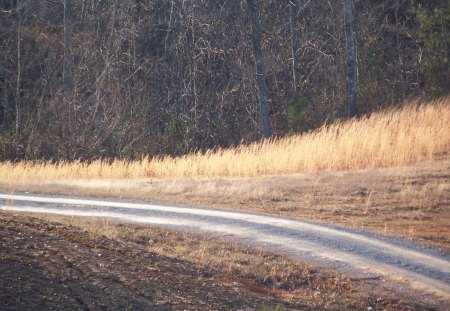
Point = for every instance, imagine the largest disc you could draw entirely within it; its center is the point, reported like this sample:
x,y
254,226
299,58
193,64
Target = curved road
x,y
363,254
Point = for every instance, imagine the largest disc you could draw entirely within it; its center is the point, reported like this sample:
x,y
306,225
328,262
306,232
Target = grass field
x,y
404,136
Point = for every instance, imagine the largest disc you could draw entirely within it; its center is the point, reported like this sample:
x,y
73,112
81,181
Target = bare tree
x,y
68,51
351,58
293,35
254,10
18,81
135,78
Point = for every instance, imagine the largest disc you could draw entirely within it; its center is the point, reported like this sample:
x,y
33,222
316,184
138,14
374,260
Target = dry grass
x,y
408,135
268,269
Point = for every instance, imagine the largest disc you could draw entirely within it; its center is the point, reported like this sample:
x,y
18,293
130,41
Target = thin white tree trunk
x,y
19,60
293,34
68,51
351,58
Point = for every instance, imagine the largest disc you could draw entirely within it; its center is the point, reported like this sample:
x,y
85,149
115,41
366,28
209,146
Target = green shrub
x,y
296,112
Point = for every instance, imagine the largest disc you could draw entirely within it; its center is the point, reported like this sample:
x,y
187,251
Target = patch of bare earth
x,y
48,265
412,201
78,264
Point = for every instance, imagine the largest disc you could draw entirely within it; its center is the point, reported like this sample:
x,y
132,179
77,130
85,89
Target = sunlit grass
x,y
403,136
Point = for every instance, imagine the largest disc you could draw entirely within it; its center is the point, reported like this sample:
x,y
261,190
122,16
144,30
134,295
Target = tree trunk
x,y
293,34
260,71
351,59
68,52
18,124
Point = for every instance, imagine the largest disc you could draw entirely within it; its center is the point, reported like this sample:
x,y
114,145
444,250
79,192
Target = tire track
x,y
360,253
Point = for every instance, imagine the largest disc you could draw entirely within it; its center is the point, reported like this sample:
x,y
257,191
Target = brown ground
x,y
49,265
413,201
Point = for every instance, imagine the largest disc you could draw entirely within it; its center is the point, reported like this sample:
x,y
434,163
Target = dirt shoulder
x,y
52,263
412,202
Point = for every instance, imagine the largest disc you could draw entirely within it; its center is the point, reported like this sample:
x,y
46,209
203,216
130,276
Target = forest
x,y
114,79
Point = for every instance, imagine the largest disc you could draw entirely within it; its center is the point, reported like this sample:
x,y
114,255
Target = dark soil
x,y
45,266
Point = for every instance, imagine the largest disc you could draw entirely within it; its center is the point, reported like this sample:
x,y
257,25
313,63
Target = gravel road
x,y
362,254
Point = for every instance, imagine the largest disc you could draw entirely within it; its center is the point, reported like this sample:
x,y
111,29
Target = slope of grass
x,y
402,136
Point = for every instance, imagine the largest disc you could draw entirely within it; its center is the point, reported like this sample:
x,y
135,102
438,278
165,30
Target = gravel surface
x,y
362,254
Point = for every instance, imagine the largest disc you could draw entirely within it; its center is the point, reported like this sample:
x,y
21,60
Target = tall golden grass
x,y
395,137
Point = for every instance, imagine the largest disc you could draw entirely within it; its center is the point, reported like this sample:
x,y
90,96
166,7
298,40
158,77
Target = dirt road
x,y
362,254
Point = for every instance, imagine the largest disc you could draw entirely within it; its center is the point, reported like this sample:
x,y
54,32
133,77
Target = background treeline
x,y
157,77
